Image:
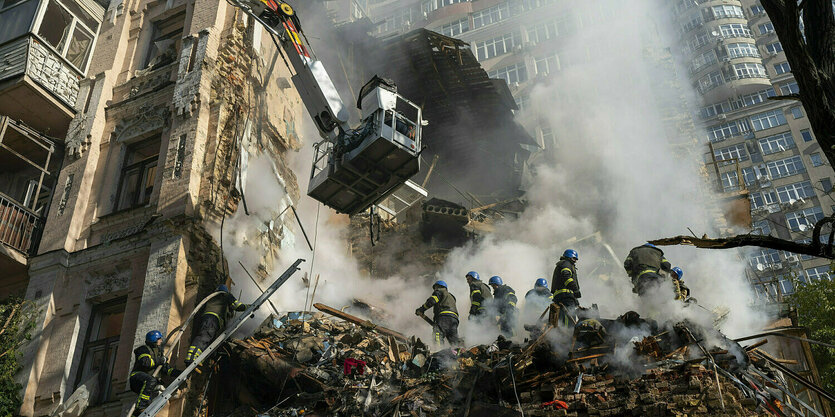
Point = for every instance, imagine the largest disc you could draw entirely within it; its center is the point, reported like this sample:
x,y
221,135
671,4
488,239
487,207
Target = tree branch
x,y
786,97
745,240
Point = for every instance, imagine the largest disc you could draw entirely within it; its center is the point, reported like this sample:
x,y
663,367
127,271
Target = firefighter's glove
x,y
418,312
577,294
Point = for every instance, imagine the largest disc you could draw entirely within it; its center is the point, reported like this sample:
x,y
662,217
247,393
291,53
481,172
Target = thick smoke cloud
x,y
614,175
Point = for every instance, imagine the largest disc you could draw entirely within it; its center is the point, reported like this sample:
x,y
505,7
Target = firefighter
x,y
445,313
564,283
505,300
681,290
537,299
644,265
147,358
480,296
215,314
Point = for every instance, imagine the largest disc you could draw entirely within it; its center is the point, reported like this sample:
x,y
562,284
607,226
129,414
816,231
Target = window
x,y
497,46
400,19
736,50
785,167
821,272
782,68
762,199
547,64
749,176
748,70
431,5
730,181
776,143
725,11
767,120
515,73
456,28
826,184
703,60
774,47
755,98
543,31
795,192
548,137
100,346
805,219
69,31
816,159
714,109
757,9
166,38
765,258
710,81
491,15
138,174
16,20
761,228
737,152
807,135
699,40
694,22
735,30
726,130
789,88
797,112
523,101
765,28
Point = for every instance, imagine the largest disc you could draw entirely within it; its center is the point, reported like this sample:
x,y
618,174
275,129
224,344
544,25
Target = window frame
x,y
785,163
141,166
69,34
116,305
771,144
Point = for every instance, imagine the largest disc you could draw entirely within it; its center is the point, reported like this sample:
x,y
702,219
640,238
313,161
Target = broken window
x,y
100,348
803,220
138,174
70,31
515,73
165,41
730,181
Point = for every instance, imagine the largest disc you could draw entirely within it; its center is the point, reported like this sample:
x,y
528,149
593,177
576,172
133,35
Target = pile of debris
x,y
310,364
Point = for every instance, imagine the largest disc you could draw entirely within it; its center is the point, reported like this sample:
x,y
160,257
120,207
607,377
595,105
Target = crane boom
x,y
352,169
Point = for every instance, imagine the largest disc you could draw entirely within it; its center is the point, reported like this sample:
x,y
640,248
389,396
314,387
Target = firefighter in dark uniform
x,y
681,291
445,313
215,314
564,282
480,296
537,299
644,265
147,358
504,299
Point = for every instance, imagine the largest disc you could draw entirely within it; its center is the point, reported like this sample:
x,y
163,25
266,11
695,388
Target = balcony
x,y
45,49
28,167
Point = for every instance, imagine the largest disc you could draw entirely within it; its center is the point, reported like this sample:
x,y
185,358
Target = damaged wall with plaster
x,y
182,94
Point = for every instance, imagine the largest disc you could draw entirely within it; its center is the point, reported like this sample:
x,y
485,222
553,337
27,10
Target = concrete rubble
x,y
314,364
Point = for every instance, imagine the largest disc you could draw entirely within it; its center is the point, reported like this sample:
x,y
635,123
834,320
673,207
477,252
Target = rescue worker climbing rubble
x,y
537,299
681,291
215,314
504,298
644,265
445,313
564,283
480,296
148,357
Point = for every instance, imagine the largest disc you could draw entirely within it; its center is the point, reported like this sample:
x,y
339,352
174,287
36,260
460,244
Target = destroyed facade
x,y
123,127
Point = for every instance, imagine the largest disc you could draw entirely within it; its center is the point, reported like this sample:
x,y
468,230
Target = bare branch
x,y
786,97
744,240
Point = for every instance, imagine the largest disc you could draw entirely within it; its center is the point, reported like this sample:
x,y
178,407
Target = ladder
x,y
162,399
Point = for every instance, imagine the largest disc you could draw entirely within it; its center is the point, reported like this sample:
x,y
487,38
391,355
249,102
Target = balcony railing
x,y
19,227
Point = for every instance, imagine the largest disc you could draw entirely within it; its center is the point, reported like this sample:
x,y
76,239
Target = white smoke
x,y
614,170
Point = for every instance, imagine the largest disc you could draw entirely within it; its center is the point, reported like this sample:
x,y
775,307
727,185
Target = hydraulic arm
x,y
353,169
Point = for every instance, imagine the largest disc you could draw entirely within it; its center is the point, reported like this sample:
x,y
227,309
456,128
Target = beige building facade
x,y
148,111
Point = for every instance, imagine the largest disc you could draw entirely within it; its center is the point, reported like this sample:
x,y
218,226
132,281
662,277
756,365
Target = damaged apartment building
x,y
122,128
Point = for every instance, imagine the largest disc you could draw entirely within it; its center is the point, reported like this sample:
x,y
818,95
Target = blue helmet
x,y
650,245
440,284
152,336
223,288
495,279
679,273
570,253
540,282
473,275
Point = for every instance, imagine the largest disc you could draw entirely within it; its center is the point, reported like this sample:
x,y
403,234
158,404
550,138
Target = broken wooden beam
x,y
366,324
